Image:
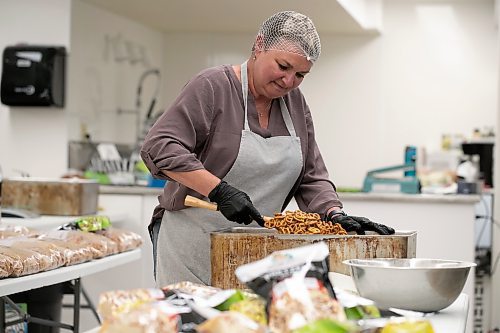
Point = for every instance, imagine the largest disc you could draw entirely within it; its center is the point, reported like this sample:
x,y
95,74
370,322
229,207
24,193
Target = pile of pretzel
x,y
299,222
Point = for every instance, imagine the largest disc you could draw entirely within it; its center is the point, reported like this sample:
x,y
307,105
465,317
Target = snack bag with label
x,y
296,286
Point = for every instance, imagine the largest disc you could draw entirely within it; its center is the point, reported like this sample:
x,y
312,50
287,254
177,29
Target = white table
x,y
14,285
69,273
451,319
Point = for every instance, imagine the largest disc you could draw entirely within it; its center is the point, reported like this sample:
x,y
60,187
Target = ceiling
x,y
228,15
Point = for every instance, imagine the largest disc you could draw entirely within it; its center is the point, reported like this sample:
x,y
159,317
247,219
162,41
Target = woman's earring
x,y
254,58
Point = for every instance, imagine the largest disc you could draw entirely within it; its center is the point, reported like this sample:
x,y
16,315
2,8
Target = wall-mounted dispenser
x,y
33,75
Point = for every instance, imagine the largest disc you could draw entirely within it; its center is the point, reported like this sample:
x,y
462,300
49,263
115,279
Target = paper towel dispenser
x,y
33,75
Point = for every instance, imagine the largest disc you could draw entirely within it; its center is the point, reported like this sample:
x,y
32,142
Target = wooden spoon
x,y
198,203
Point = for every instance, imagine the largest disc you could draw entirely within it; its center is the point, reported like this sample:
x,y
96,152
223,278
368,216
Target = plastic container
x,y
155,182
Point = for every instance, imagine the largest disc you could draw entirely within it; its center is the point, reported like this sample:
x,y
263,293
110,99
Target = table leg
x,y
2,315
76,304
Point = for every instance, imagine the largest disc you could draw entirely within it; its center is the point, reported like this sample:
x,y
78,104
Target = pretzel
x,y
299,222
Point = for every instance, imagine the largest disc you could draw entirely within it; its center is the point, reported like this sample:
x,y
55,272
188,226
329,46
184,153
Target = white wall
x,y
33,140
188,53
432,71
105,76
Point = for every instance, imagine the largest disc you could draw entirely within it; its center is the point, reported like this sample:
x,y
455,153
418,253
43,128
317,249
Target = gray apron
x,y
265,168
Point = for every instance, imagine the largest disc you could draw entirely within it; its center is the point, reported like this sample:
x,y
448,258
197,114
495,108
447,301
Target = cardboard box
x,y
65,197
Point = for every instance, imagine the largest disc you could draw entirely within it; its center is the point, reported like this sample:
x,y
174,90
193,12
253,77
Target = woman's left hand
x,y
360,224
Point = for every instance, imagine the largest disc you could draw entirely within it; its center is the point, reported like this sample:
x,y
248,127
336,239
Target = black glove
x,y
358,224
234,204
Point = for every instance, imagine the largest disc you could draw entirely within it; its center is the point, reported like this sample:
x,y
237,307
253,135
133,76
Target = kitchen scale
x,y
409,183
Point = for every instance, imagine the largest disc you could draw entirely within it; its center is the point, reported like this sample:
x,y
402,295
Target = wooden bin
x,y
66,197
233,248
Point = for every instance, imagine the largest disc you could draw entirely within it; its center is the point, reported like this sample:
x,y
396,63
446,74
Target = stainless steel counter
x,y
402,197
137,190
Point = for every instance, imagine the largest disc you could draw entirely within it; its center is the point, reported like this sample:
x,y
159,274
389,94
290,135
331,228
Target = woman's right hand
x,y
234,204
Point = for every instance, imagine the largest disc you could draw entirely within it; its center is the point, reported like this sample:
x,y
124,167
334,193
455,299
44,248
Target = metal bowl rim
x,y
459,264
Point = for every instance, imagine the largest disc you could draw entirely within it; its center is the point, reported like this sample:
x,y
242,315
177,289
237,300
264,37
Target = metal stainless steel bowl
x,y
425,285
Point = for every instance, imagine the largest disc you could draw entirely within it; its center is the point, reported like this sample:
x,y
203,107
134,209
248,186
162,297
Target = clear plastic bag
x,y
295,285
114,303
24,262
151,317
51,255
8,231
195,290
297,301
99,245
126,240
73,253
7,265
230,321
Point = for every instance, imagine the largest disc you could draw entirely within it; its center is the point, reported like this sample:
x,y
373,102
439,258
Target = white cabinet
x,y
138,209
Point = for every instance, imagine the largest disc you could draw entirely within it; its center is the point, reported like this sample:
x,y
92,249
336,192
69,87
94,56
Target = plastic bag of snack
x,y
199,298
7,265
296,286
244,302
357,307
254,307
230,321
126,240
73,253
8,231
25,262
116,302
191,288
262,275
297,301
408,325
89,223
51,255
149,317
99,245
328,326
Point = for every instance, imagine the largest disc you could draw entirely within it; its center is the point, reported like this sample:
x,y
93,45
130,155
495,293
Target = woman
x,y
241,136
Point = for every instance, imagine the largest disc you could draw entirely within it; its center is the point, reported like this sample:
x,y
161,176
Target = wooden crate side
x,y
231,250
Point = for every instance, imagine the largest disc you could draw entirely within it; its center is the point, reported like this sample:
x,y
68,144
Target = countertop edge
x,y
137,190
401,197
388,197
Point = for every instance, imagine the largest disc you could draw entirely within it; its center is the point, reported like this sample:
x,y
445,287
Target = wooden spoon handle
x,y
191,201
198,203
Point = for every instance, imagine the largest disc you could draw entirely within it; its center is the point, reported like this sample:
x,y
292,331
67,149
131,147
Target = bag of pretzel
x,y
296,286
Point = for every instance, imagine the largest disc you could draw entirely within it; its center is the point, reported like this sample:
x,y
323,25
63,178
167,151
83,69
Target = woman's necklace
x,y
262,114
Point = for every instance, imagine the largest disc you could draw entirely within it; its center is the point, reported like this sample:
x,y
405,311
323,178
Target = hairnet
x,y
292,32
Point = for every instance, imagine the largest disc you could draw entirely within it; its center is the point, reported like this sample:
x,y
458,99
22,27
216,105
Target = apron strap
x,y
244,88
286,117
284,109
